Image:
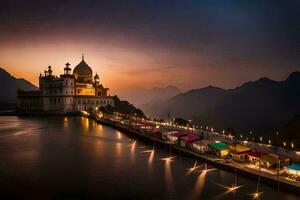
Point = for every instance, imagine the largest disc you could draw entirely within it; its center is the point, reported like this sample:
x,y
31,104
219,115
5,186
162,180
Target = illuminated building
x,y
219,148
239,152
70,92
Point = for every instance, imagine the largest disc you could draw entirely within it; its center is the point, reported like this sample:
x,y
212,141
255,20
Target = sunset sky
x,y
141,44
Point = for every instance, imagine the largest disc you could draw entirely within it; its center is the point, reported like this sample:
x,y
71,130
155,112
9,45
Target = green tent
x,y
218,146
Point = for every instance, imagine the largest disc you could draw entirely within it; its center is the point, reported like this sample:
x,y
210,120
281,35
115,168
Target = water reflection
x,y
151,157
228,189
170,189
256,195
85,124
99,128
200,183
192,169
132,152
119,135
65,122
118,149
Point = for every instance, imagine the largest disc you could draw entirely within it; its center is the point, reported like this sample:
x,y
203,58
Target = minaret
x,y
67,69
49,71
97,79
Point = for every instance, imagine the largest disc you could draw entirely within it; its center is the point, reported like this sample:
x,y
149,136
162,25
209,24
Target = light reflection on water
x,y
119,149
101,162
169,185
132,152
151,158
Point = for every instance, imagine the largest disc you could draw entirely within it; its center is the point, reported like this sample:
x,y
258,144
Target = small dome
x,y
96,77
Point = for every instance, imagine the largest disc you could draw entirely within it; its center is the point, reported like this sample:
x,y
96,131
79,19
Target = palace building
x,y
68,93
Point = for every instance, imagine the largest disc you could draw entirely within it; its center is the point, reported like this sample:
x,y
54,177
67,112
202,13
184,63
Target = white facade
x,y
66,93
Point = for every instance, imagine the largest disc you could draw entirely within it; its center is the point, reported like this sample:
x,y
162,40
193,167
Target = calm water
x,y
58,158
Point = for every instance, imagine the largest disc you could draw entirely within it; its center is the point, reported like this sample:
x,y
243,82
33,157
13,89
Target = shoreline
x,y
265,178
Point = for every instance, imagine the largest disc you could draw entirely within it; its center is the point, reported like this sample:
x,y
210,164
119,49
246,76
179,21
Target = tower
x,y
67,69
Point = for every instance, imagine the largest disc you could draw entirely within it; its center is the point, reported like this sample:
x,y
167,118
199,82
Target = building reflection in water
x,y
85,124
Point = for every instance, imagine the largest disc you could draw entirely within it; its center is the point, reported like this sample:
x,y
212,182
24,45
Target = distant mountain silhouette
x,y
9,87
262,106
154,95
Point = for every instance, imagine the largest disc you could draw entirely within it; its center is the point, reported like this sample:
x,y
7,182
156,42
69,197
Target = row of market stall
x,y
237,152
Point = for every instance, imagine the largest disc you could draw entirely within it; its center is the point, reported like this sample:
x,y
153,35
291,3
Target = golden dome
x,y
83,69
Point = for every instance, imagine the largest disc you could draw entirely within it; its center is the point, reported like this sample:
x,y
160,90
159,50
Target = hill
x,y
10,86
261,106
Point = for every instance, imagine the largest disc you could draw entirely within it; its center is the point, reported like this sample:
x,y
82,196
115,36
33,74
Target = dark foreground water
x,y
74,158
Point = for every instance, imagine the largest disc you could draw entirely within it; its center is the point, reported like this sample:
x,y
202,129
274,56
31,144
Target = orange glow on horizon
x,y
120,68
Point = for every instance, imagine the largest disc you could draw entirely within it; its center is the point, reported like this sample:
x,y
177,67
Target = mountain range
x,y
10,86
262,106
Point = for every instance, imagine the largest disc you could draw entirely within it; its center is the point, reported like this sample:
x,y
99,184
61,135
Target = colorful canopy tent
x,y
185,141
219,148
255,156
294,169
239,152
190,138
165,134
174,136
201,145
280,160
268,161
239,149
